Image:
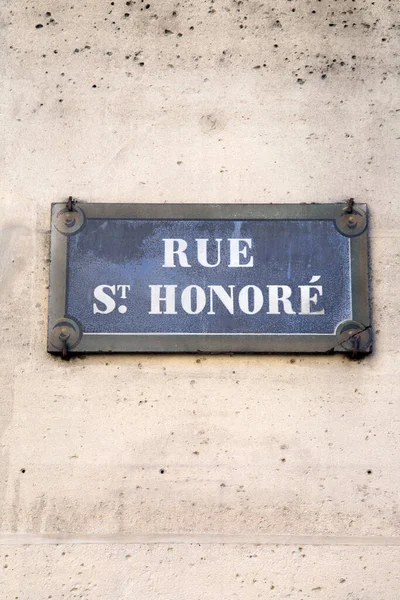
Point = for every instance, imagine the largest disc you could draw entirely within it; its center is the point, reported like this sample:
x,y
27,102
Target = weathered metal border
x,y
59,321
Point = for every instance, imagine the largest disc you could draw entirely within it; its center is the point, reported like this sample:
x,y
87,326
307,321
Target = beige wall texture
x,y
182,477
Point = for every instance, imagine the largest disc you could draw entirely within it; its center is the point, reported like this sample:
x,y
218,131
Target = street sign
x,y
208,278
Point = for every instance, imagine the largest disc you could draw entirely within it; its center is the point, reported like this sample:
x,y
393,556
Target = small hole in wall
x,y
162,471
23,470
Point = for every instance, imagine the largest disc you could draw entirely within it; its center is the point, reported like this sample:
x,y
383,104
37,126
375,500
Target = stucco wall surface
x,y
187,477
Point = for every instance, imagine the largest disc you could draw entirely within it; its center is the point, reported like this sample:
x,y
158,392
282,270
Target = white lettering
x,y
172,247
156,300
244,299
104,298
123,288
223,295
236,252
306,299
200,299
275,299
202,254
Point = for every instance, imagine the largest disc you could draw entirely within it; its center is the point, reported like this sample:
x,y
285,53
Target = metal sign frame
x,y
65,333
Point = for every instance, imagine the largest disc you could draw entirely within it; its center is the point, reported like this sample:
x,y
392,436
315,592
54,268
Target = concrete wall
x,y
179,477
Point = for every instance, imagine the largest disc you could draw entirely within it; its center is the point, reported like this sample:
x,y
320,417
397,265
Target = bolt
x,y
64,335
70,221
351,222
349,206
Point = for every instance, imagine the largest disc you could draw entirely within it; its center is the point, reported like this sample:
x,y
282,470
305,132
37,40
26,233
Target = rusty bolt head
x,y
351,222
70,221
354,337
